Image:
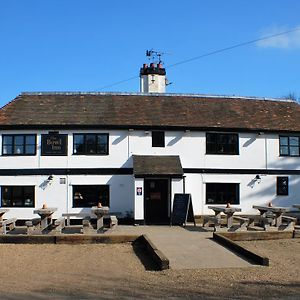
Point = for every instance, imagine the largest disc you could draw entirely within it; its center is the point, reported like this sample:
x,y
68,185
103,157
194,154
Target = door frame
x,y
169,187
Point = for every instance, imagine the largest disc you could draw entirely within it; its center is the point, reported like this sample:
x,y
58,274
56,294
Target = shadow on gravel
x,y
145,259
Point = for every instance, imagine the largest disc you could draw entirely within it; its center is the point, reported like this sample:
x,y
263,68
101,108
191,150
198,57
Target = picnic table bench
x,y
296,205
270,212
272,218
291,222
46,216
59,224
2,212
9,224
33,226
228,211
87,217
68,216
100,212
244,222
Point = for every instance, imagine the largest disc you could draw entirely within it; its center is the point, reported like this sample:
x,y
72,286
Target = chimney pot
x,y
159,66
145,66
152,65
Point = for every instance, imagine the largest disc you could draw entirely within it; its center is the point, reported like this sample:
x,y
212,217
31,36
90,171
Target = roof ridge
x,y
11,101
191,95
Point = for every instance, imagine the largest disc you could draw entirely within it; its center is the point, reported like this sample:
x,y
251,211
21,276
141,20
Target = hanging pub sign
x,y
54,144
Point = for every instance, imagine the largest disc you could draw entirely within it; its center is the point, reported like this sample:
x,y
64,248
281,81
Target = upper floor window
x,y
18,144
158,139
289,145
222,143
17,196
90,144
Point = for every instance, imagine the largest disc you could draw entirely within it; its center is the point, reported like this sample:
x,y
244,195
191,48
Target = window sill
x,y
235,154
75,154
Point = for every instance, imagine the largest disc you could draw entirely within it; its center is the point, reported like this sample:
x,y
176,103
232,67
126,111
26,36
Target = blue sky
x,y
85,45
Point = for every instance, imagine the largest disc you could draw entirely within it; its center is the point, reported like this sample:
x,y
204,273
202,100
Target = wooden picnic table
x,y
100,212
46,216
228,211
2,212
277,211
76,215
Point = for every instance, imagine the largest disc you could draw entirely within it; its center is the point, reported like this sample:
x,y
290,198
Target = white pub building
x,y
133,152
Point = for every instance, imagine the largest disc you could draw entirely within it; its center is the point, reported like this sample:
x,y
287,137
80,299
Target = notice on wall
x,y
54,144
139,191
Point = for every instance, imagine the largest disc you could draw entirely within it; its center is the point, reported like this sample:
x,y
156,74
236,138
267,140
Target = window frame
x,y
24,144
217,135
23,195
158,142
96,144
288,145
237,191
279,189
107,186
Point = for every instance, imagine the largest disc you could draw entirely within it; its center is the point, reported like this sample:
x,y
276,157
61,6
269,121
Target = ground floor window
x,y
90,195
282,186
17,196
222,193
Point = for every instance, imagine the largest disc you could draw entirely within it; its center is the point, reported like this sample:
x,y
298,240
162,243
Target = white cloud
x,y
289,40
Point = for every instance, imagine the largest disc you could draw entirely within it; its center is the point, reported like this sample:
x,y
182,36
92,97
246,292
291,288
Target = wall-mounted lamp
x,y
258,178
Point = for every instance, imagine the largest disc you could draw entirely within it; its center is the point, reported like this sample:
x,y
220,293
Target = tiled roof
x,y
156,165
140,110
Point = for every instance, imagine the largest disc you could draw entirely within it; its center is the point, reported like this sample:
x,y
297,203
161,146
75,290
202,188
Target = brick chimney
x,y
152,78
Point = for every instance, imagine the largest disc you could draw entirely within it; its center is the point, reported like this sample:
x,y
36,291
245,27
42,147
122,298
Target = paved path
x,y
187,248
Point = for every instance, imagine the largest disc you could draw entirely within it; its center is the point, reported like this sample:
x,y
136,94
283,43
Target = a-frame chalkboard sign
x,y
182,210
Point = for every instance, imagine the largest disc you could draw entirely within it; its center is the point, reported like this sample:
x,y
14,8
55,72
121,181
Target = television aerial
x,y
155,56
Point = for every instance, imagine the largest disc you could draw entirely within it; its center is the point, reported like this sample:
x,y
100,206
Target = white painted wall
x,y
139,199
153,83
60,195
256,152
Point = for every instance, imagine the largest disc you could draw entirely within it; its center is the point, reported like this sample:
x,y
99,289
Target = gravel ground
x,y
115,271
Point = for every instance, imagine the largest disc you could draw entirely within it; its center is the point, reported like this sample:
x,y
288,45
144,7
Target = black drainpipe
x,y
183,182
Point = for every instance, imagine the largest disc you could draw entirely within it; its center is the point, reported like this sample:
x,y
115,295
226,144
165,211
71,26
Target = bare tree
x,y
292,96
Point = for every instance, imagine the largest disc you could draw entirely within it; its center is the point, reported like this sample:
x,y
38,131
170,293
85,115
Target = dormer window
x,y
158,139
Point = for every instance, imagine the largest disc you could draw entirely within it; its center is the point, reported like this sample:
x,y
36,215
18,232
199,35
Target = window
x,y
222,143
282,186
17,196
158,139
19,144
222,193
90,144
289,145
90,195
